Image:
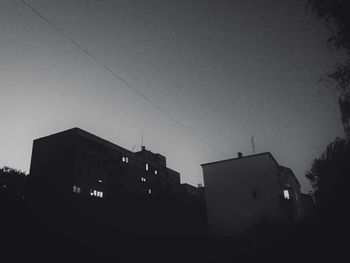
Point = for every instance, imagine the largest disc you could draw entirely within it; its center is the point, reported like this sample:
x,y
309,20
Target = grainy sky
x,y
227,70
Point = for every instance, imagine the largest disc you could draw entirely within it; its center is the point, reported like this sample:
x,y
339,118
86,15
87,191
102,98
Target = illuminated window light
x,y
100,181
149,191
125,159
96,193
286,194
143,179
76,189
155,172
146,166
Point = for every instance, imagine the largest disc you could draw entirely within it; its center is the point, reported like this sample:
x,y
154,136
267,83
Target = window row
x,y
96,193
125,159
93,160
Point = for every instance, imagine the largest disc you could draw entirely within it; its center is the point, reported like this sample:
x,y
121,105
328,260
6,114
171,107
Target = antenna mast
x,y
253,145
142,139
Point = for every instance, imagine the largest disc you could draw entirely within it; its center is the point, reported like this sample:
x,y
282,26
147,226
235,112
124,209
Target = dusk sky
x,y
225,70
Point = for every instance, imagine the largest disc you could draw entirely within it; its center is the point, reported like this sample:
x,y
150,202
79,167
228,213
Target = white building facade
x,y
246,192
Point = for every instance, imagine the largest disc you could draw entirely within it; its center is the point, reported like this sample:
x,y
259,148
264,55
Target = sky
x,y
219,72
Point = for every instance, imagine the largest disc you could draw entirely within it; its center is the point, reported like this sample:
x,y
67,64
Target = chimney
x,y
240,155
143,148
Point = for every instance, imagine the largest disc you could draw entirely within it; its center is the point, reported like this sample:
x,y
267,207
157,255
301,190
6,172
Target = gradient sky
x,y
227,70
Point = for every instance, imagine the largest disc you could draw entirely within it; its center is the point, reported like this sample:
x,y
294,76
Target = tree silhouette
x,y
12,182
336,14
329,176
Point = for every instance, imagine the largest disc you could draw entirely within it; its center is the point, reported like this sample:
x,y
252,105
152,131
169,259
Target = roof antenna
x,y
253,145
142,146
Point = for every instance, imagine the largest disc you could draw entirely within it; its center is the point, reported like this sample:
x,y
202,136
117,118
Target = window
x,y
96,193
101,149
256,192
155,172
101,163
125,159
76,189
143,179
146,166
149,191
286,194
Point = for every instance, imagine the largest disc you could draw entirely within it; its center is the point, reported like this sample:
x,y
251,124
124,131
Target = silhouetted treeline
x,y
330,177
12,182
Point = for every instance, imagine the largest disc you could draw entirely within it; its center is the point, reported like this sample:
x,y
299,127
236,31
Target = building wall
x,y
76,158
51,168
293,209
231,204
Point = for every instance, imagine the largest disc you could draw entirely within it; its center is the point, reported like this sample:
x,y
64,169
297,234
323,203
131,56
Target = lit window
x,y
149,191
96,193
76,189
146,166
125,159
286,194
143,179
155,172
100,181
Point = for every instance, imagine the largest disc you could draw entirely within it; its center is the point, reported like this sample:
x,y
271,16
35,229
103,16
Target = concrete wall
x,y
52,165
230,204
288,181
75,157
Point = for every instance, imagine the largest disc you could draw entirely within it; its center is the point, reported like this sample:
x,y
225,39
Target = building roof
x,y
104,142
243,157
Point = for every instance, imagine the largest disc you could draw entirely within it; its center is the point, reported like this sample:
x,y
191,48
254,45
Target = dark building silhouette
x,y
77,164
76,174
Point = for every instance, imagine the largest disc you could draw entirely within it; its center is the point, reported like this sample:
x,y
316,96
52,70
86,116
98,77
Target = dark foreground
x,y
54,235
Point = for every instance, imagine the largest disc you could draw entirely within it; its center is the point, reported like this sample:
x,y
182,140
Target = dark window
x,y
256,192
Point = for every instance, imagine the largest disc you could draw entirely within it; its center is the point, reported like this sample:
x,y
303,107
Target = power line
x,y
99,61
